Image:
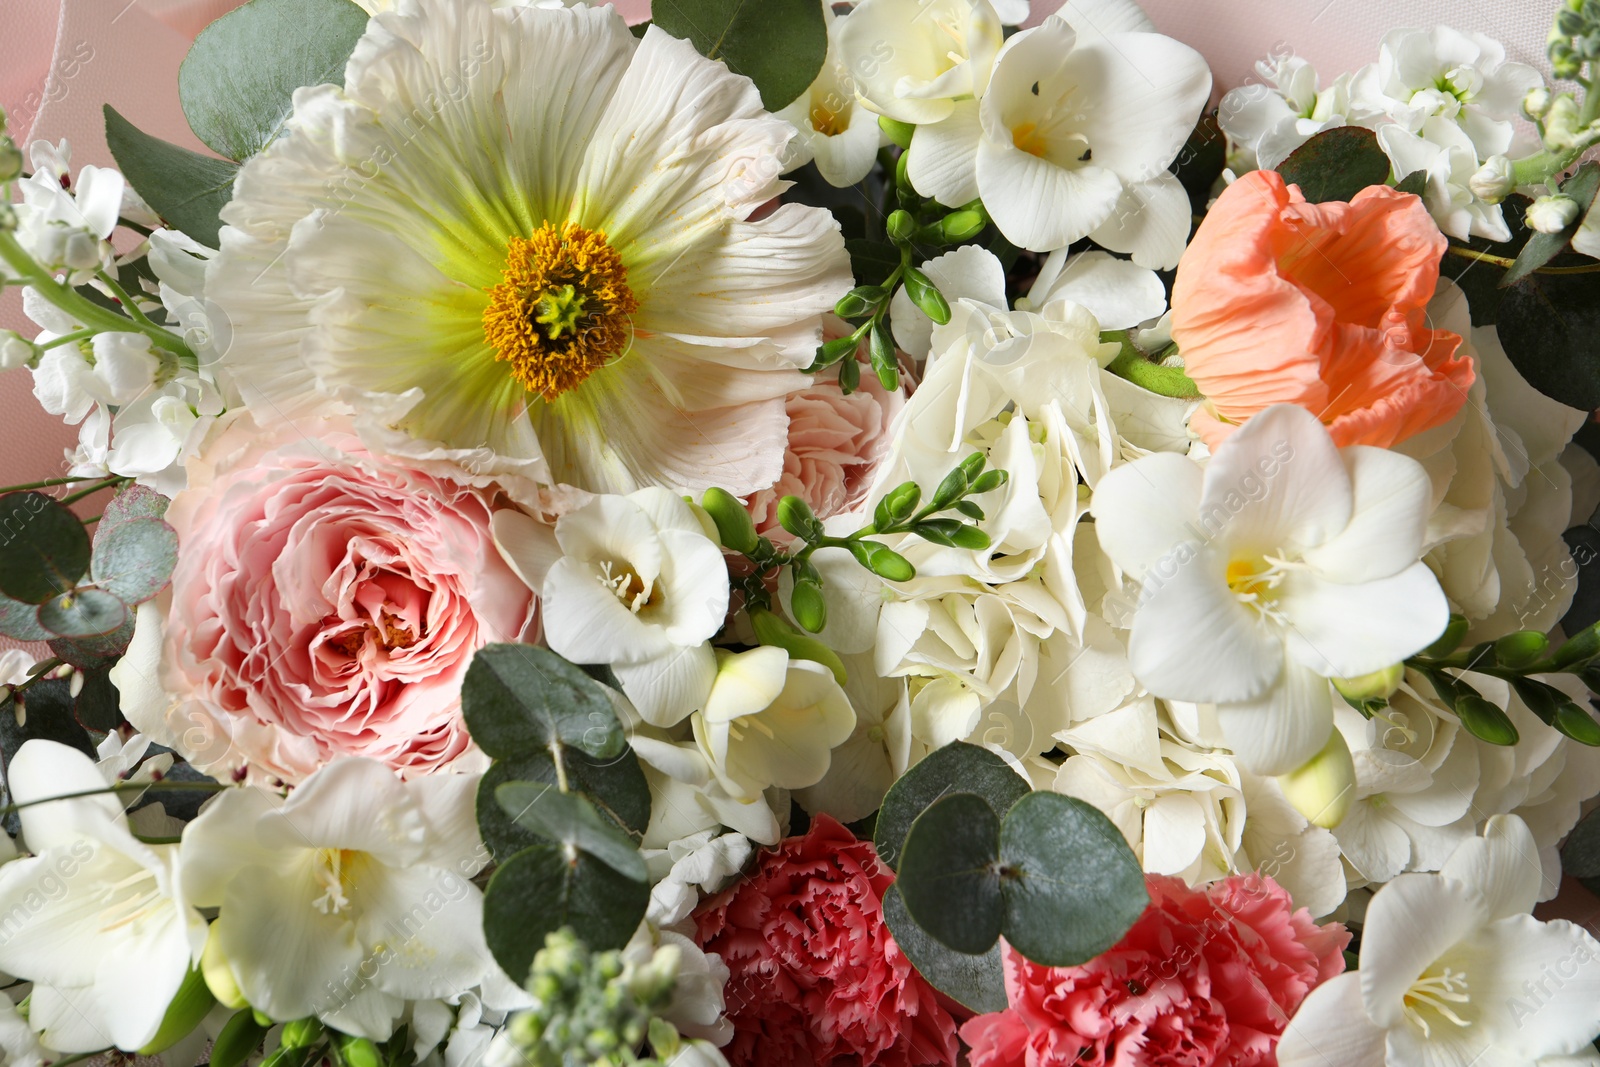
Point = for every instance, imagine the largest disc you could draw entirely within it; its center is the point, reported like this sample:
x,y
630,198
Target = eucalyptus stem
x,y
1507,261
80,307
163,786
50,483
127,301
105,483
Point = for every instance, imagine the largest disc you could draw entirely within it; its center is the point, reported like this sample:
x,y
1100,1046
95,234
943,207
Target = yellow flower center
x,y
827,120
562,309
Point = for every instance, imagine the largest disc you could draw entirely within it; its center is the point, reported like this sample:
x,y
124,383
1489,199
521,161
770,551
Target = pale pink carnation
x,y
1205,978
327,603
835,445
815,977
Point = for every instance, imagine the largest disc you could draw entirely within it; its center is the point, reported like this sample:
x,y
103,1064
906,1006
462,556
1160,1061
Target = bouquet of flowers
x,y
807,533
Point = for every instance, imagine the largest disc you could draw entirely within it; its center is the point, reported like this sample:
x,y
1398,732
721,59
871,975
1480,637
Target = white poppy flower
x,y
1455,971
519,241
1286,562
634,582
837,132
912,60
107,930
1072,139
771,721
348,899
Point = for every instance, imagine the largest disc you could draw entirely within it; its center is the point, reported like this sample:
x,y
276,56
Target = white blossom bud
x,y
1537,103
1493,182
1552,214
15,351
1323,789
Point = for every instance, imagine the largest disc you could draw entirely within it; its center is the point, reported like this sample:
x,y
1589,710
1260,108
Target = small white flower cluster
x,y
1442,102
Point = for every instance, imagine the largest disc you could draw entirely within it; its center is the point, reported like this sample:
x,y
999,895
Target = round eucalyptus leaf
x,y
83,613
956,766
518,699
133,561
569,819
44,550
950,876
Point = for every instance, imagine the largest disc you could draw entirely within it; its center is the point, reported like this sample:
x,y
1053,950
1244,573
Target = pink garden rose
x,y
325,604
835,445
1205,977
815,977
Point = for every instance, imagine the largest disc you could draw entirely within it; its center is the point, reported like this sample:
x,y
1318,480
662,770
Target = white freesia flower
x,y
1502,495
1455,971
519,242
877,752
1286,562
1284,110
1072,139
634,582
97,920
686,797
912,60
837,132
348,899
1416,771
771,721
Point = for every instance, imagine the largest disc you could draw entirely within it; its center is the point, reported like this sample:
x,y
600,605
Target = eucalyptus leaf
x,y
98,705
957,767
569,819
132,501
519,699
949,873
83,613
1072,886
616,786
135,558
88,653
539,890
188,190
237,83
1580,856
20,621
778,44
43,548
1336,164
976,982
1547,324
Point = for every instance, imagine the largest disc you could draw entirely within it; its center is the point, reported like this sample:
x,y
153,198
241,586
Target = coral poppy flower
x,y
1322,305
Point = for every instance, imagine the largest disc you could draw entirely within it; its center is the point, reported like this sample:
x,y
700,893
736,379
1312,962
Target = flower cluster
x,y
878,533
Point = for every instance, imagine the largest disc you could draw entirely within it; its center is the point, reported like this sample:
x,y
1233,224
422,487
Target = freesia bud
x,y
191,1004
898,132
1379,685
15,350
1536,103
1492,183
1323,789
1552,214
218,974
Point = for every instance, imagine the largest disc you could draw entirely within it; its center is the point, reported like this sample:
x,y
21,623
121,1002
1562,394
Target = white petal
x,y
283,950
1282,729
221,842
1411,922
969,272
1151,222
1119,294
527,545
1536,985
1145,509
1094,19
1277,483
943,160
43,769
667,689
1331,1028
1343,631
354,804
429,922
1503,865
746,683
1193,640
1392,499
1174,833
1038,205
1149,90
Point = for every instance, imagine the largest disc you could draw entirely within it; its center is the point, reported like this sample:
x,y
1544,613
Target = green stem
x,y
93,489
125,787
1591,100
49,483
81,307
125,300
1507,261
65,339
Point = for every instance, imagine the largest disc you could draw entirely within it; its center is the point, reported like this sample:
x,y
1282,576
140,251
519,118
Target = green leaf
x,y
88,653
1547,324
98,705
539,890
976,982
1580,856
616,786
1415,183
83,613
186,189
1543,247
237,83
20,621
569,819
956,766
134,560
1071,885
1201,160
778,44
240,1037
132,501
872,261
519,699
949,877
43,548
1336,164
1455,631
1578,649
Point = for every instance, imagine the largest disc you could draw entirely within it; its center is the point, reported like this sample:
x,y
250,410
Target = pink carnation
x,y
325,604
835,445
815,977
1205,977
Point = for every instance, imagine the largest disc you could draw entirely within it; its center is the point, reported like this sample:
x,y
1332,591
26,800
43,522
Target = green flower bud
x,y
302,1033
734,526
1455,632
884,357
1521,649
897,132
1323,789
1379,685
883,561
1581,647
1577,724
831,352
860,301
771,630
962,225
988,482
239,1038
926,296
10,160
897,505
358,1052
810,610
1484,720
901,226
191,1004
795,516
